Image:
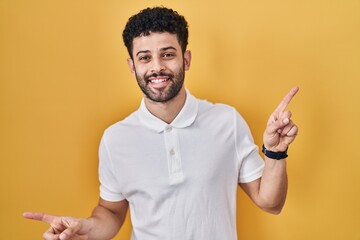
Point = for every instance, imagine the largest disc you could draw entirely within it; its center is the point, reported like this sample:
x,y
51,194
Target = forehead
x,y
155,42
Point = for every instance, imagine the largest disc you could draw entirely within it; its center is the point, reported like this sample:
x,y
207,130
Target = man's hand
x,y
280,130
62,228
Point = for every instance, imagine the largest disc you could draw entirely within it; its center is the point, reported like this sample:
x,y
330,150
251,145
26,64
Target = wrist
x,y
274,154
88,226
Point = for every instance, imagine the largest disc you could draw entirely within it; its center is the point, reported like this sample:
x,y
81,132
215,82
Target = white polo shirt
x,y
180,179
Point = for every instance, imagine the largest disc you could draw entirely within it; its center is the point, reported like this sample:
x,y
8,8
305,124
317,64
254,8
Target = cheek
x,y
176,66
139,71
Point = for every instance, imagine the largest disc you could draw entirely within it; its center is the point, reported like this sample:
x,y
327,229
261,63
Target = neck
x,y
167,111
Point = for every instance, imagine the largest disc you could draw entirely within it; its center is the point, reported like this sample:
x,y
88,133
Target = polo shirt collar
x,y
184,119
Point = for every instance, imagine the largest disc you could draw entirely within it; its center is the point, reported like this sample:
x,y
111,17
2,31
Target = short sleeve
x,y
108,183
251,163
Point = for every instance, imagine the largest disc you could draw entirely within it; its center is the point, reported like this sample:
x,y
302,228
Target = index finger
x,y
43,217
286,100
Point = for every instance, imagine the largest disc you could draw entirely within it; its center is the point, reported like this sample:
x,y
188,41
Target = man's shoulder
x,y
207,107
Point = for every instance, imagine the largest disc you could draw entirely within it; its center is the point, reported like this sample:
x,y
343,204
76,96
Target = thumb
x,y
70,231
276,126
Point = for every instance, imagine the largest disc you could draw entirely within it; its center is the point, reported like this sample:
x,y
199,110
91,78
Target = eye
x,y
144,58
168,55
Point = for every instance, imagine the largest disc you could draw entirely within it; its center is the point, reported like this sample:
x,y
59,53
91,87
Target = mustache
x,y
161,74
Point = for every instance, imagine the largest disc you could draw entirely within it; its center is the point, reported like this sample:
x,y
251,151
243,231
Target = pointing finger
x,y
39,216
286,100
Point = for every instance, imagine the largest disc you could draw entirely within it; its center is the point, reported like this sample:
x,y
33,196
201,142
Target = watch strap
x,y
274,155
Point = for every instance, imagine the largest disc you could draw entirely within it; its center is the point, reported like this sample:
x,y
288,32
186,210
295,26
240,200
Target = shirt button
x,y
168,128
172,152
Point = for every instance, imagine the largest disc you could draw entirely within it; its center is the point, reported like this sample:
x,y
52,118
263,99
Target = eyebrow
x,y
167,48
162,49
143,51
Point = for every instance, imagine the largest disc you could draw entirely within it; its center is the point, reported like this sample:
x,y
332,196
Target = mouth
x,y
158,80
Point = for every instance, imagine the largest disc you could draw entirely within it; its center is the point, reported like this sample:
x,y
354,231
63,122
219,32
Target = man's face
x,y
159,65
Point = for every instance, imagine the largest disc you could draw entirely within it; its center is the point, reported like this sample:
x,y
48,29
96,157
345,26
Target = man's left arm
x,y
269,191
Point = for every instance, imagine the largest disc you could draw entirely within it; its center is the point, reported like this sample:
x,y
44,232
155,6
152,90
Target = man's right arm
x,y
107,219
104,223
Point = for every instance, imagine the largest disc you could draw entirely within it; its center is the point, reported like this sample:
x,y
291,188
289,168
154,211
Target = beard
x,y
165,94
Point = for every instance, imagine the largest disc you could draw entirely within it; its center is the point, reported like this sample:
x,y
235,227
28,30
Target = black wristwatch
x,y
274,155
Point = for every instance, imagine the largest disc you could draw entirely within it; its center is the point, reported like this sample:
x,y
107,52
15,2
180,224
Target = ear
x,y
187,59
131,65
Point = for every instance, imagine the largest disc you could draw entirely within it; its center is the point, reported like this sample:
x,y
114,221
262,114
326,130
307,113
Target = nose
x,y
157,65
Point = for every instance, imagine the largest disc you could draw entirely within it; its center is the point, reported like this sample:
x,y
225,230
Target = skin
x,y
161,53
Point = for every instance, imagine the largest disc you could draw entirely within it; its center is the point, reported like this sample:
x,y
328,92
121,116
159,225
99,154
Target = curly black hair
x,y
157,19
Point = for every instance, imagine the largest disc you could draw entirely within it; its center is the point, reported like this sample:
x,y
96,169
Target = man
x,y
177,160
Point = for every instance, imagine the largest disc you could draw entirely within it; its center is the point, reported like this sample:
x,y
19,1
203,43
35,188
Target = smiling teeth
x,y
158,80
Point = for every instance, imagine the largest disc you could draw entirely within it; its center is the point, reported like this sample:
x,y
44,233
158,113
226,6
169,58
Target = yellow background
x,y
64,79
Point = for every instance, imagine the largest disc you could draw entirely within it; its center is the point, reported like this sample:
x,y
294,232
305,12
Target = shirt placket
x,y
173,155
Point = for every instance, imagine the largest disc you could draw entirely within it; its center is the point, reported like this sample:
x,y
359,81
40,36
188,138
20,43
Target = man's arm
x,y
108,217
104,223
269,192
